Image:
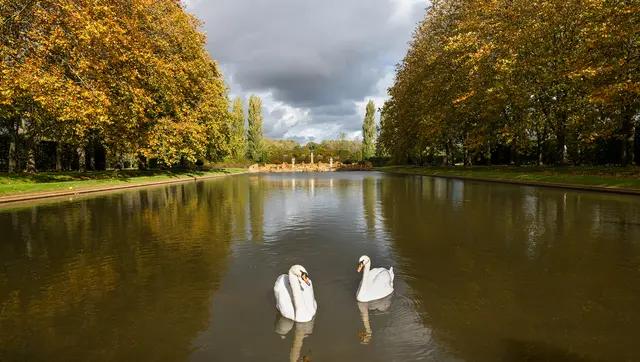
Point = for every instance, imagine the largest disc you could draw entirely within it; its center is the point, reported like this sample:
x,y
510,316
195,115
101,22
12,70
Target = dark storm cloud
x,y
323,56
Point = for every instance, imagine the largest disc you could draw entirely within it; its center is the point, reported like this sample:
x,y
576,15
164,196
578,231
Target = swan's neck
x,y
365,271
299,303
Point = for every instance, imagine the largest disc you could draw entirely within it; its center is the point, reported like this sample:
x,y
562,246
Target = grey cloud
x,y
337,109
320,55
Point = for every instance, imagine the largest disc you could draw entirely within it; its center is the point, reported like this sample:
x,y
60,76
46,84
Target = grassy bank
x,y
17,184
616,178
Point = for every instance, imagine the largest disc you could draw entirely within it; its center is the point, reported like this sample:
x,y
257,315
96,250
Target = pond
x,y
483,272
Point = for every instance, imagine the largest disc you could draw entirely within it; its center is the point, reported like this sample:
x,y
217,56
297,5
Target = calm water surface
x,y
484,272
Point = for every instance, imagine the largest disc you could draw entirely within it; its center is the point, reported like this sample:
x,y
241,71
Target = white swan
x,y
294,295
376,283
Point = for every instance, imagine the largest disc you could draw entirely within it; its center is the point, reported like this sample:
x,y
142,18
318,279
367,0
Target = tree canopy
x,y
511,81
342,150
238,142
132,74
254,134
369,131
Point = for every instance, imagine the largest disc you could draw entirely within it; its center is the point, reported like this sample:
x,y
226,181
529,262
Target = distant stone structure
x,y
311,167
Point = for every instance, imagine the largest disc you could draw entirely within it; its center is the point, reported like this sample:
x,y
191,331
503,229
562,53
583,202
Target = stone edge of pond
x,y
7,200
578,187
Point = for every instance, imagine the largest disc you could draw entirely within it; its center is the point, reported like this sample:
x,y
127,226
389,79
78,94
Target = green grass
x,y
591,176
15,184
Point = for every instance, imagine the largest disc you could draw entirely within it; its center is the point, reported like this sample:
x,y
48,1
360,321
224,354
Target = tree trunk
x,y
107,160
487,154
142,163
120,161
31,159
92,159
513,154
539,143
13,148
445,160
561,139
12,156
628,137
30,167
59,156
82,159
636,142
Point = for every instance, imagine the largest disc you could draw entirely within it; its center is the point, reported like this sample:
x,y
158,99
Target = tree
x,y
131,75
255,146
369,132
474,87
238,142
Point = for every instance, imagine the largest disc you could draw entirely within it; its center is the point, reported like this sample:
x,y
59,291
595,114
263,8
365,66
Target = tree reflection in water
x,y
121,277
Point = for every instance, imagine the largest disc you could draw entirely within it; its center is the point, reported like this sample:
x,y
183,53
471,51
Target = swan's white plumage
x,y
299,304
284,302
376,283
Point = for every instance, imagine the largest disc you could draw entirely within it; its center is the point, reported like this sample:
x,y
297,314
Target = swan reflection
x,y
302,330
380,305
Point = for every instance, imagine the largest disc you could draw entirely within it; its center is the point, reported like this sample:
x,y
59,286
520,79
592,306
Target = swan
x,y
376,283
294,295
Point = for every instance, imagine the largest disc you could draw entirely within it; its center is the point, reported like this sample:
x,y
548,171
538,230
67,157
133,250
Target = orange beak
x,y
306,279
360,266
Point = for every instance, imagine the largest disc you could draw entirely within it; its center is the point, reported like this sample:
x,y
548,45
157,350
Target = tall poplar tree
x,y
369,132
238,142
254,134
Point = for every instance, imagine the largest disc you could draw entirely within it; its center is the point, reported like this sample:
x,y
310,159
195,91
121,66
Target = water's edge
x,y
104,189
524,183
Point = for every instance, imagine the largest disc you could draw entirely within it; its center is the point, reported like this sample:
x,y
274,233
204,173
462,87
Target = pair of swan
x,y
294,291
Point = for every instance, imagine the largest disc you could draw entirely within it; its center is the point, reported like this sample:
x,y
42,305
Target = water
x,y
484,272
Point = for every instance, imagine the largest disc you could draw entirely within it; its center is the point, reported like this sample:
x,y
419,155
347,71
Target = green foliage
x,y
238,142
342,150
278,151
255,145
514,81
369,132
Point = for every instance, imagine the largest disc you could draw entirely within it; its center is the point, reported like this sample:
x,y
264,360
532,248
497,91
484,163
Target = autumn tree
x,y
254,133
475,87
133,76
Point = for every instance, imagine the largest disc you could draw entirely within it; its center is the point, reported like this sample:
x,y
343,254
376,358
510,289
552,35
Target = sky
x,y
315,64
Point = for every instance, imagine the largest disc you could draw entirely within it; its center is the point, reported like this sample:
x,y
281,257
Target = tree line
x,y
247,144
340,150
108,82
518,81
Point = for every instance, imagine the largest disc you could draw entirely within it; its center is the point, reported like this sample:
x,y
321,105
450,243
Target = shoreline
x,y
398,170
25,197
418,171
